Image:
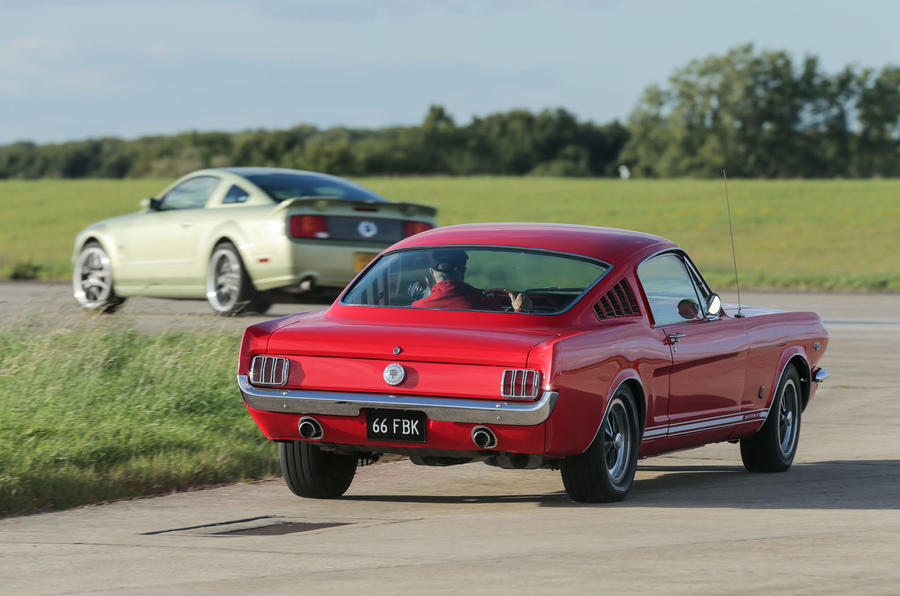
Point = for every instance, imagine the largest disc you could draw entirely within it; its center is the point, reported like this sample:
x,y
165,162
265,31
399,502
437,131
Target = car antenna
x,y
733,256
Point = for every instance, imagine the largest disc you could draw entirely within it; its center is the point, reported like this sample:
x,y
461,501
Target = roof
x,y
611,245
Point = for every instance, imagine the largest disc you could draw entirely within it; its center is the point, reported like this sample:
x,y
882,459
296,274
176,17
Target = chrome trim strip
x,y
821,375
695,426
449,409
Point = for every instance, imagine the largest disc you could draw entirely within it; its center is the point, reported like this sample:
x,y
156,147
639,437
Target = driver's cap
x,y
446,260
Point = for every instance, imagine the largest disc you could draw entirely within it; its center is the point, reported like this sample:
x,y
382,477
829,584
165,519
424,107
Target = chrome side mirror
x,y
714,306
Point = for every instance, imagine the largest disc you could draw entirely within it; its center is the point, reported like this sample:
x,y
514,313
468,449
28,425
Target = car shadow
x,y
849,485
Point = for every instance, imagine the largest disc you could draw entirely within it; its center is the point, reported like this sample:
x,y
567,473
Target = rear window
x,y
477,279
283,186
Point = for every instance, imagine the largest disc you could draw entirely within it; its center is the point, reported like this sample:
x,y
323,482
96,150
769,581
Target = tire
x,y
604,473
92,281
773,447
311,472
229,289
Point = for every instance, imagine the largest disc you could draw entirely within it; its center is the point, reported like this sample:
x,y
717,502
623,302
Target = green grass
x,y
98,411
806,234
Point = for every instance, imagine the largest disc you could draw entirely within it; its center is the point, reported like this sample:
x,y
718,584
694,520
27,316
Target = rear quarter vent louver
x,y
618,302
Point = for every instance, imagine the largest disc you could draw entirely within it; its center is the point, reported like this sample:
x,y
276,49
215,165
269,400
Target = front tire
x,y
772,449
92,281
311,472
604,473
229,289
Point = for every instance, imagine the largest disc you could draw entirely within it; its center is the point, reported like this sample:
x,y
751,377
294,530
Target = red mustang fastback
x,y
527,346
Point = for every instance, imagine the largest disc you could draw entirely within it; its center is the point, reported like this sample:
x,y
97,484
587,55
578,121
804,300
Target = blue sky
x,y
89,68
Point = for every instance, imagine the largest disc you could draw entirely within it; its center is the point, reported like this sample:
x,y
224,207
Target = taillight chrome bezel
x,y
270,371
520,383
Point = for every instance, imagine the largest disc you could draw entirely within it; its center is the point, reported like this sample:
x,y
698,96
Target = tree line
x,y
756,114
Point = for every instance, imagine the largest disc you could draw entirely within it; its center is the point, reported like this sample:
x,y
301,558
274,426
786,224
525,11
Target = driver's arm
x,y
520,301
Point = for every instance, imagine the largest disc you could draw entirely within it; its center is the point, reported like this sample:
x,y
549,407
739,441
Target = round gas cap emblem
x,y
367,228
394,374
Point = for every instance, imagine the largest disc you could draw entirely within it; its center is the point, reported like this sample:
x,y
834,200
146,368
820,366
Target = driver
x,y
448,268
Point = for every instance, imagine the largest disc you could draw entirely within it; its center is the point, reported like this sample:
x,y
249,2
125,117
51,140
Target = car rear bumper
x,y
448,409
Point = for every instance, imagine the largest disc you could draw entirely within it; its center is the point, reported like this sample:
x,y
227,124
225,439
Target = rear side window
x,y
234,195
190,194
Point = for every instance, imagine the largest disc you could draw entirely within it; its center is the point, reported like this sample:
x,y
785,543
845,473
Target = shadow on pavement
x,y
866,484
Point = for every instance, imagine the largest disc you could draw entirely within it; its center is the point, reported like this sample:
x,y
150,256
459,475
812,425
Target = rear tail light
x,y
520,383
308,226
269,370
411,228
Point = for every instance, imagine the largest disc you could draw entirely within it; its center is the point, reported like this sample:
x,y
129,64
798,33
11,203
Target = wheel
x,y
605,471
92,282
311,472
773,447
229,289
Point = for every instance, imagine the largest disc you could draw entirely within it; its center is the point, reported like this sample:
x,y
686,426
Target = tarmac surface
x,y
694,523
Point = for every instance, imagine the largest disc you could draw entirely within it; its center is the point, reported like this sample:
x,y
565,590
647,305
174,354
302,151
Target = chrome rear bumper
x,y
475,411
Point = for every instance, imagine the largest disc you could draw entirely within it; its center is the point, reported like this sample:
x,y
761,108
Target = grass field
x,y
815,234
98,411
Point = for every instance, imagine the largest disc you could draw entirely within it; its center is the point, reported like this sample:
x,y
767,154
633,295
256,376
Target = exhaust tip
x,y
483,437
309,428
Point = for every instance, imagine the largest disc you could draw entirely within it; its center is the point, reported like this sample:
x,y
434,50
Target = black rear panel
x,y
365,228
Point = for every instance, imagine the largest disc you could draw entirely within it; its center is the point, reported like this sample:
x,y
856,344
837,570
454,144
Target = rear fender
x,y
627,378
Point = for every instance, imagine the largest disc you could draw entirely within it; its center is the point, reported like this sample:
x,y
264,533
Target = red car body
x,y
713,377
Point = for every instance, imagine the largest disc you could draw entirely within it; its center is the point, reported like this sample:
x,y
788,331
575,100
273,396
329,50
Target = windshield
x,y
282,186
478,279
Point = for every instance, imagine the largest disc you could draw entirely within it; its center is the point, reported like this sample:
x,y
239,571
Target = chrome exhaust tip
x,y
483,437
310,428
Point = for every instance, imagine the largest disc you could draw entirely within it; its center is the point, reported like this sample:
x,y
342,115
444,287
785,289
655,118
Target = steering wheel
x,y
505,293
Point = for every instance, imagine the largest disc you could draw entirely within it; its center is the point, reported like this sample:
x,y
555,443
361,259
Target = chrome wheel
x,y
787,417
617,442
92,283
225,279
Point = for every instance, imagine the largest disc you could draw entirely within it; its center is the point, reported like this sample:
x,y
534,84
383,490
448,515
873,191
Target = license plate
x,y
361,259
395,425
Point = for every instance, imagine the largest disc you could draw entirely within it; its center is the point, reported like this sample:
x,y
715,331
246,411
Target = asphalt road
x,y
694,523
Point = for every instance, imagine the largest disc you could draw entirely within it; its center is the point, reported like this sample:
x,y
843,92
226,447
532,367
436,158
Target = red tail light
x,y
520,383
411,228
308,226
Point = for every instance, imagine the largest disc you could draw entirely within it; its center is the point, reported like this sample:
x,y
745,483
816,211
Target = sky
x,y
89,68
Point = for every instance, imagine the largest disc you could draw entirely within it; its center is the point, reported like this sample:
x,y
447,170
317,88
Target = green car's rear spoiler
x,y
382,208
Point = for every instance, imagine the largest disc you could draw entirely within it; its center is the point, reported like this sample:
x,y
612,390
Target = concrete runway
x,y
694,523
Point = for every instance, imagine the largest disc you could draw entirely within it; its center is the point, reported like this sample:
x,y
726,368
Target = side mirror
x,y
714,306
152,204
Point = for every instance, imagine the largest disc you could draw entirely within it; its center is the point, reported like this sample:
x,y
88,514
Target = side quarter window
x,y
234,195
670,290
190,194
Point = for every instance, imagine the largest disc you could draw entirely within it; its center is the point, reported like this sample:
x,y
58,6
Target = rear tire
x,y
311,472
773,447
92,282
229,289
604,473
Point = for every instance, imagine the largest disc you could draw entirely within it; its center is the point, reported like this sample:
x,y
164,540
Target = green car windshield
x,y
477,279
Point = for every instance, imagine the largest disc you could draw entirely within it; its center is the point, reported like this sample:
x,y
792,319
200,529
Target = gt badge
x,y
394,374
367,228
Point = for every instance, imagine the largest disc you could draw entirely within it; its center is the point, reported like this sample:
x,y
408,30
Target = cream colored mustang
x,y
236,235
